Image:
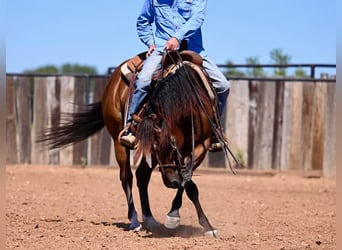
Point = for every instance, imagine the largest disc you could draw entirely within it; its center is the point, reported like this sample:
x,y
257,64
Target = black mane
x,y
171,105
174,98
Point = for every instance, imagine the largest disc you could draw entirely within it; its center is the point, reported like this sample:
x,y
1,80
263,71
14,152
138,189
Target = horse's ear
x,y
156,123
157,130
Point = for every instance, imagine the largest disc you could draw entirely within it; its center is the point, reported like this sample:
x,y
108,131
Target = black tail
x,y
74,127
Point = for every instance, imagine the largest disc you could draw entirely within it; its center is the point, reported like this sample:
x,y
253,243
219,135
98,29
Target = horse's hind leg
x,y
192,192
143,175
173,218
126,178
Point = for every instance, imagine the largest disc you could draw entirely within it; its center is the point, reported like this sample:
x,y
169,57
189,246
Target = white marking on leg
x,y
172,222
211,233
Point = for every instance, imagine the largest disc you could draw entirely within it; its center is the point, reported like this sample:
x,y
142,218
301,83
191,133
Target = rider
x,y
175,21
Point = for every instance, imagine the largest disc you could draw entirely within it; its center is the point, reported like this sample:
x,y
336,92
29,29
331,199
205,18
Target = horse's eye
x,y
154,117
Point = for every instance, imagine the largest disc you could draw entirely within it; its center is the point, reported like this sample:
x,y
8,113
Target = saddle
x,y
133,66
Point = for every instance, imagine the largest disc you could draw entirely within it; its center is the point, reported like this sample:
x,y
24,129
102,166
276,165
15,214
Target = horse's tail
x,y
75,127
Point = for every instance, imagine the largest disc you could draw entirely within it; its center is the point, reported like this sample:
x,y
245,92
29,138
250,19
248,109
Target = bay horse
x,y
175,130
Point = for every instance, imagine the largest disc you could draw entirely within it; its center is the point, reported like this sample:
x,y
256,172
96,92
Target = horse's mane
x,y
173,101
174,97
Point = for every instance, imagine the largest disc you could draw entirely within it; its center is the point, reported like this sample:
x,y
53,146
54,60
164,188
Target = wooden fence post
x,y
307,121
318,129
52,108
11,122
329,144
24,118
237,119
101,142
80,149
278,124
39,155
264,126
296,143
291,147
67,106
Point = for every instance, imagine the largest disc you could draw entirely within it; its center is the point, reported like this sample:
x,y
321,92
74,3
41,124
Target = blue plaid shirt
x,y
181,19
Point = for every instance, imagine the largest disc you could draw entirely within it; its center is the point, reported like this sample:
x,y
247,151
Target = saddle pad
x,y
204,79
132,67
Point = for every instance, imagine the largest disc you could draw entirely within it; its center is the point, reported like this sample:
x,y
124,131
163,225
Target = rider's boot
x,y
215,145
127,136
218,140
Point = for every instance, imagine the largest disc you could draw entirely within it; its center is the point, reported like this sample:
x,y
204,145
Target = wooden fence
x,y
271,123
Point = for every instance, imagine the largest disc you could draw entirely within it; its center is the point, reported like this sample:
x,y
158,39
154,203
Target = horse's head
x,y
155,139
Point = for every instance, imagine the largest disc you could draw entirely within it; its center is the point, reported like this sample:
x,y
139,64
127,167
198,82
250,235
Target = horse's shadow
x,y
183,231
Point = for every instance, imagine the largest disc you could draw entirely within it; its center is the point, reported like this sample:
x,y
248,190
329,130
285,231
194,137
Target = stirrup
x,y
215,147
127,138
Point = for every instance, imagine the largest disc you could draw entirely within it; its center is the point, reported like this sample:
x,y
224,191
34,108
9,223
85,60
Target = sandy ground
x,y
50,207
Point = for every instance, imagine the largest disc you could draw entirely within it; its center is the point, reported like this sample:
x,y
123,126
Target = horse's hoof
x,y
137,228
172,222
211,233
150,223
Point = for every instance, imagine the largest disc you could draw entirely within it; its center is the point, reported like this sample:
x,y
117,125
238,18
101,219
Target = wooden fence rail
x,y
271,124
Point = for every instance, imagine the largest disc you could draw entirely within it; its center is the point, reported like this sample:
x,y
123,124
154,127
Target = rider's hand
x,y
172,44
150,50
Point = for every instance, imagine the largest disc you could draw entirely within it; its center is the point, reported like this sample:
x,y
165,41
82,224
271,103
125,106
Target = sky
x,y
103,33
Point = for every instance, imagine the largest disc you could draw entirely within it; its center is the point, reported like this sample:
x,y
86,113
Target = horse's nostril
x,y
175,184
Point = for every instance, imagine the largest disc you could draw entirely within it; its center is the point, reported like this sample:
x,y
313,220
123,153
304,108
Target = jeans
x,y
219,81
153,63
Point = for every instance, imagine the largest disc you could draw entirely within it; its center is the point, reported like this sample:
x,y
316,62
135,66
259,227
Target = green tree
x,y
278,57
48,69
300,72
77,69
64,69
257,71
232,71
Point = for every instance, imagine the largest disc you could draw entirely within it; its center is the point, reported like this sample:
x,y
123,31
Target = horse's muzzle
x,y
171,178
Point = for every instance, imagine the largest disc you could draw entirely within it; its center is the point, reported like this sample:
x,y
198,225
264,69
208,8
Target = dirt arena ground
x,y
85,208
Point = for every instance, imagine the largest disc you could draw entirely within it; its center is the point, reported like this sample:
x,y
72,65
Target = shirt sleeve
x,y
144,23
195,21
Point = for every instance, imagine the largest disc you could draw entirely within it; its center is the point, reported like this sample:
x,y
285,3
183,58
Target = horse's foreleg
x,y
193,194
143,175
191,162
173,217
